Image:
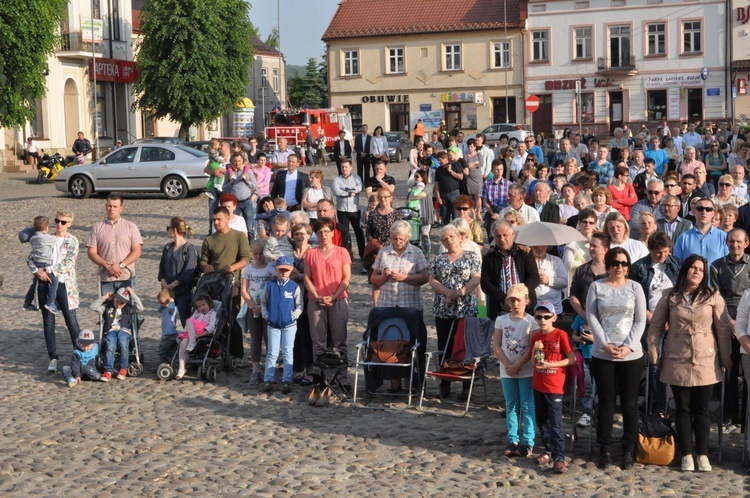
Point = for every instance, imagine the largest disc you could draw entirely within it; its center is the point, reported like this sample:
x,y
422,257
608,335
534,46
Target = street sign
x,y
532,103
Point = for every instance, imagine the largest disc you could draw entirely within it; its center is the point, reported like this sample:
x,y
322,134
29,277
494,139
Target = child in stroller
x,y
119,317
202,322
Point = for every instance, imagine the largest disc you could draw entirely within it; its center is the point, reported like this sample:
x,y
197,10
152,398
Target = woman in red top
x,y
623,194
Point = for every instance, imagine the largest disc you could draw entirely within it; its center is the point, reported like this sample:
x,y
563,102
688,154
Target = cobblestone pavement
x,y
144,437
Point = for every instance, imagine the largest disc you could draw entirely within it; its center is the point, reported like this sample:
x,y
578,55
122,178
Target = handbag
x,y
656,441
392,351
457,367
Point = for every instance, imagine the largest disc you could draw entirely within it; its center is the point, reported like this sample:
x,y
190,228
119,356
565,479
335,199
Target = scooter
x,y
51,166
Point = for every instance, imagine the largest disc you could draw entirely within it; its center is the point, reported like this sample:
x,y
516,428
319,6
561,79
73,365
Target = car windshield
x,y
393,136
191,151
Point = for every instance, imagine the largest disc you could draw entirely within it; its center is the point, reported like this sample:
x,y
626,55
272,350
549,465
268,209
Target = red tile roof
x,y
363,18
262,48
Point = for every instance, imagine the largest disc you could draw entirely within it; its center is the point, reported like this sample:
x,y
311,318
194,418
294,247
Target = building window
x,y
116,35
619,46
540,45
501,53
97,9
583,43
264,77
453,57
351,62
691,37
586,111
355,111
657,105
275,80
396,61
657,39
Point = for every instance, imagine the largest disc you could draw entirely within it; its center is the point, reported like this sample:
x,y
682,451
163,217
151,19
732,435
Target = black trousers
x,y
346,218
613,378
363,167
692,417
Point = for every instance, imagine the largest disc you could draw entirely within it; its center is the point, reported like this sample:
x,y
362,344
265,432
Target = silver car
x,y
174,170
514,132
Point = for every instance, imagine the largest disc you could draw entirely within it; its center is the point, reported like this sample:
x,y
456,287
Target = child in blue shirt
x,y
281,306
584,341
168,313
83,361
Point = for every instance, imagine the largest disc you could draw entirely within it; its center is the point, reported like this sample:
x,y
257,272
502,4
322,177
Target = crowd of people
x,y
664,234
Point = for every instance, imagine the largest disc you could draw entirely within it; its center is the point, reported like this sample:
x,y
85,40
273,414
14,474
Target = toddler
x,y
281,306
119,310
202,322
511,344
279,243
168,313
412,199
83,361
214,162
42,255
270,208
255,276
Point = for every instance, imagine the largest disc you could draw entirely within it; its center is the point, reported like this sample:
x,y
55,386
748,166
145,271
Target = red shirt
x,y
556,348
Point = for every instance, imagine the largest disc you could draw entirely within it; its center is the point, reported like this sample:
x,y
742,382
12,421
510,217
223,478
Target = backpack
x,y
185,247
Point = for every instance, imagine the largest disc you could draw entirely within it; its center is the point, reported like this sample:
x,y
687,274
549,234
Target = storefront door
x,y
615,111
542,117
399,117
695,104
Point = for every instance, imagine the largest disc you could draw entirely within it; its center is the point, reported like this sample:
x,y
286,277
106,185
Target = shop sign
x,y
458,97
382,99
713,92
743,14
425,107
116,70
552,85
672,80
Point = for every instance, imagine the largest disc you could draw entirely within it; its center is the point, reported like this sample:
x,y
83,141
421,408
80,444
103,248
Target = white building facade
x,y
599,64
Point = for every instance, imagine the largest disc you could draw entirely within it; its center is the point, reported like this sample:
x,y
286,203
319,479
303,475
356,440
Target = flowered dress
x,y
453,275
379,225
65,270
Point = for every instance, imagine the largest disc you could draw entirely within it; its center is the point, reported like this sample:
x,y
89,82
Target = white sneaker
x,y
209,195
703,464
584,421
687,463
52,365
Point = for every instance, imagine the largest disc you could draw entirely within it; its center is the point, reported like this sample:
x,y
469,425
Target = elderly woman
x,y
229,201
328,271
464,206
688,165
177,266
619,234
453,276
726,194
315,192
514,218
303,357
64,267
616,313
696,348
602,205
647,226
577,253
400,270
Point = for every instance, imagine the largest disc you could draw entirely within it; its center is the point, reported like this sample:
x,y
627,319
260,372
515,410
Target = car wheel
x,y
80,187
513,142
174,187
398,156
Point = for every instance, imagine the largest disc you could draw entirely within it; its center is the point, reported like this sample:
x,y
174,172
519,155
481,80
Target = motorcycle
x,y
51,166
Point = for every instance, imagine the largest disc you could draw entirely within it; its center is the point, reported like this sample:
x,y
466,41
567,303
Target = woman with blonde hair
x,y
177,265
725,194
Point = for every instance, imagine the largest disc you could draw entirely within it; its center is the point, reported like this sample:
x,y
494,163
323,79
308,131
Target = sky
x,y
302,24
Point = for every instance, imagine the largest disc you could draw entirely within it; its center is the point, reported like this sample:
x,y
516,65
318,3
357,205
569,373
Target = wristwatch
x,y
122,265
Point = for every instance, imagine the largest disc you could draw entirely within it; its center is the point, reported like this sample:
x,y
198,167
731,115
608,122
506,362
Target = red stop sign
x,y
532,103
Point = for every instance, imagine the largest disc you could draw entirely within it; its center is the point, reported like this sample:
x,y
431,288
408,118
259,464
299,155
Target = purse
x,y
389,351
457,367
656,441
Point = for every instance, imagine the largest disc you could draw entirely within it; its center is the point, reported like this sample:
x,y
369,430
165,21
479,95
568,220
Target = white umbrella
x,y
540,233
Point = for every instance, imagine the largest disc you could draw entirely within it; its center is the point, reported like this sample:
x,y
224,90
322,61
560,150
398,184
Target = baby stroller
x,y
211,350
135,357
412,217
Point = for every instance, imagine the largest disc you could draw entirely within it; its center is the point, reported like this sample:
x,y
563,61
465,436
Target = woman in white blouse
x,y
378,146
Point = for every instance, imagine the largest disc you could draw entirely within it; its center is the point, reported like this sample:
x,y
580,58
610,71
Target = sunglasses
x,y
654,192
462,208
622,264
704,209
543,317
725,185
61,222
169,228
670,185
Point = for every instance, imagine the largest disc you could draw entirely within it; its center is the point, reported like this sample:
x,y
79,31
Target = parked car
x,y
173,170
160,140
202,145
513,131
399,145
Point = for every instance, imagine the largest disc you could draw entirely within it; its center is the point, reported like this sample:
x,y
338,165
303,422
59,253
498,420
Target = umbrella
x,y
540,233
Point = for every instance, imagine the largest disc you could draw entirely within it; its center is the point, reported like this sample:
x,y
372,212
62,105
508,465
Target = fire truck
x,y
291,124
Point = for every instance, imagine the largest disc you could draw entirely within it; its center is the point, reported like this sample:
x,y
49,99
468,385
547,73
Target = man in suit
x,y
290,184
672,224
341,149
362,148
548,211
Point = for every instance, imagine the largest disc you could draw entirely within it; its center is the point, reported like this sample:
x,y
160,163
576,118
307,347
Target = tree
x,y
194,60
311,89
273,38
28,35
323,70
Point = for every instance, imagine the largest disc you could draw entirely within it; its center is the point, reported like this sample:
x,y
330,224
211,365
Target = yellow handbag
x,y
655,450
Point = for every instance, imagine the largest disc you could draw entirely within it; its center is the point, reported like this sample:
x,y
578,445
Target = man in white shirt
x,y
580,148
280,156
516,195
518,160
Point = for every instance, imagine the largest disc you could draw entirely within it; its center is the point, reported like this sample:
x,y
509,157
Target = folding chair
x,y
327,372
466,361
390,326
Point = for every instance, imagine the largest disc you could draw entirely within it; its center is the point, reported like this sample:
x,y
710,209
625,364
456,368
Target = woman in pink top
x,y
328,270
623,194
262,176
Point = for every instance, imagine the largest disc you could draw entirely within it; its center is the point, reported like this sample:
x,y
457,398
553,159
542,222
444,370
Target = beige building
x,y
390,69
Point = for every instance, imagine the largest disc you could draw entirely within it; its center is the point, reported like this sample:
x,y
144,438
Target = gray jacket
x,y
42,248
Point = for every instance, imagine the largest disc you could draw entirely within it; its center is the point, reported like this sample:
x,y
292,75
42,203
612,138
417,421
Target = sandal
x,y
543,459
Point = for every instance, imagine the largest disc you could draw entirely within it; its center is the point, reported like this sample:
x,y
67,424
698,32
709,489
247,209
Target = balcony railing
x,y
624,65
73,42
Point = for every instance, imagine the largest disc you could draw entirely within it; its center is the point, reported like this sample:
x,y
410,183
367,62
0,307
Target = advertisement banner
x,y
116,70
430,119
92,30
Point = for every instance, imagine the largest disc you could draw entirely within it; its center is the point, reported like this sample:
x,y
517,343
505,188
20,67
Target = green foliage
x,y
28,35
311,89
194,59
273,38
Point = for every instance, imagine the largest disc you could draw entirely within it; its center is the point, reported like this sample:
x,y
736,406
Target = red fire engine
x,y
291,124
